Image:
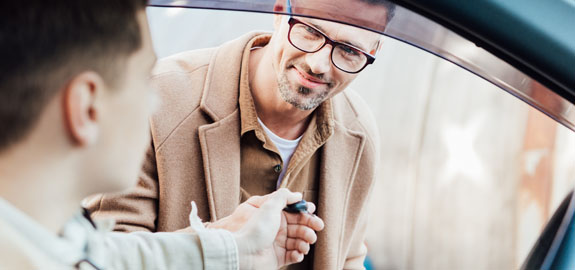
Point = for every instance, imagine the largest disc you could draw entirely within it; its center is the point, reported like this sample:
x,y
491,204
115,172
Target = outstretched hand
x,y
268,237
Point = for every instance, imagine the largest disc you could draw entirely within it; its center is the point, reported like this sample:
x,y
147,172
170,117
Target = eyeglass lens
x,y
310,40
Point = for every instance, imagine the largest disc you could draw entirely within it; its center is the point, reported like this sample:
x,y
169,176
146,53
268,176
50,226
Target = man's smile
x,y
307,80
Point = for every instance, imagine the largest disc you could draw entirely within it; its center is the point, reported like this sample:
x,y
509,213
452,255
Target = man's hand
x,y
268,237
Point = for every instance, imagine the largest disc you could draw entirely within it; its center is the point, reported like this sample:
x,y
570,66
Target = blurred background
x,y
469,174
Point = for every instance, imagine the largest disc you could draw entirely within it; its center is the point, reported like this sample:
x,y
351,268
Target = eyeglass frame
x,y
369,58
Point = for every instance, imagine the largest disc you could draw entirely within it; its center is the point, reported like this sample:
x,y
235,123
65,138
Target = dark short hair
x,y
389,6
44,43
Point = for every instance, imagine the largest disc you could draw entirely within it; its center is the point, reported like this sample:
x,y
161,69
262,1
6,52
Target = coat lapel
x,y
340,159
220,144
220,140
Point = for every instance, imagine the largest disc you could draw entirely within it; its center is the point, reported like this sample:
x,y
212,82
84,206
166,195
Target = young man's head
x,y
74,91
317,59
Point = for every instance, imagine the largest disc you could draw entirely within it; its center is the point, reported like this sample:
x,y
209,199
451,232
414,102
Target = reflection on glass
x,y
418,31
469,175
463,161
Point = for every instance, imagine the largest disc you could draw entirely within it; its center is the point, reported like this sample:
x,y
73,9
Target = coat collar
x,y
221,89
220,140
220,145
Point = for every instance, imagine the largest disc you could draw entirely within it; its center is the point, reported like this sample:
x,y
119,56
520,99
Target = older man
x,y
259,113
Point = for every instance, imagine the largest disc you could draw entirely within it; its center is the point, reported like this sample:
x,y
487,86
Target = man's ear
x,y
279,6
79,107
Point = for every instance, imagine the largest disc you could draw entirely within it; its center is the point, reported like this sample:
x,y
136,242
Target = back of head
x,y
44,43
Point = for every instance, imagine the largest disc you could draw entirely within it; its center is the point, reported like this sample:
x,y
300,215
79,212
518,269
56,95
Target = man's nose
x,y
320,61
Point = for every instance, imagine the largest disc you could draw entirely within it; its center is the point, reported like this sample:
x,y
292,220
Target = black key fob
x,y
298,207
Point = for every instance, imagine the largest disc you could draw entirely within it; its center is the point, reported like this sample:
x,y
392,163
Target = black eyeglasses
x,y
345,57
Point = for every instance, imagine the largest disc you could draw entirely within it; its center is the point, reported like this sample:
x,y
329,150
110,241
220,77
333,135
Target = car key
x,y
298,207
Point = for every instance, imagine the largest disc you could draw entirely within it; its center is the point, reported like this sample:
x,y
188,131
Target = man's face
x,y
124,133
305,80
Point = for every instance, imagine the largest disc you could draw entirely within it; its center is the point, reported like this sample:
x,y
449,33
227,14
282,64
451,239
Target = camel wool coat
x,y
195,156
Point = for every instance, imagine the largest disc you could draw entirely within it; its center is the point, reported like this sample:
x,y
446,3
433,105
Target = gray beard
x,y
301,98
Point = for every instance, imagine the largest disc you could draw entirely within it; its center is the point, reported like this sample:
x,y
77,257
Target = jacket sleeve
x,y
198,248
370,160
358,251
135,209
213,249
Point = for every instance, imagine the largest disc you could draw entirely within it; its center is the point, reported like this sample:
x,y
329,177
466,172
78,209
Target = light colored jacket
x,y
195,155
25,244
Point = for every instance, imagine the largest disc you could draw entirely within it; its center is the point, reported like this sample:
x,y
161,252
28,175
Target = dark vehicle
x,y
471,177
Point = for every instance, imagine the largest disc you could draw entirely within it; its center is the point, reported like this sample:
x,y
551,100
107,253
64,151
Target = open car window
x,y
469,174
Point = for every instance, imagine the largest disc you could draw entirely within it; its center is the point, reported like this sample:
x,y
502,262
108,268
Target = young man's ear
x,y
79,107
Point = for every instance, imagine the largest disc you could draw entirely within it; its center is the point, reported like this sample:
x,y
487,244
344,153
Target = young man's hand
x,y
267,237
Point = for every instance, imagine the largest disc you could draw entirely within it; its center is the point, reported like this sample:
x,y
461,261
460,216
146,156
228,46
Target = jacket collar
x,y
219,101
43,248
221,89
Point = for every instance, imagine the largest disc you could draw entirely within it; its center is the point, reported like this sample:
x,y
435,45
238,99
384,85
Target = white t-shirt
x,y
286,148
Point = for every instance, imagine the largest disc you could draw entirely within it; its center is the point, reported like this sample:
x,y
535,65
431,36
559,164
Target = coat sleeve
x,y
358,251
370,160
173,250
197,248
135,209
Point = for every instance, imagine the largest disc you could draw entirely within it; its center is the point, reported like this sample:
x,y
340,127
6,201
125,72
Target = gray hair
x,y
389,6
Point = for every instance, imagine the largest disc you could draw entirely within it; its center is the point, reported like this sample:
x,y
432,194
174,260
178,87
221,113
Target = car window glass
x,y
469,174
419,31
